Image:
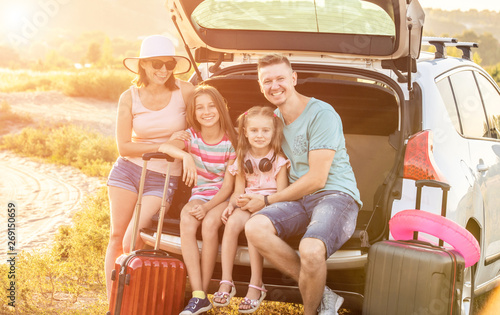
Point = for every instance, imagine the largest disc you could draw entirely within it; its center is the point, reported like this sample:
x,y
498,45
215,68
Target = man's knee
x,y
312,252
259,227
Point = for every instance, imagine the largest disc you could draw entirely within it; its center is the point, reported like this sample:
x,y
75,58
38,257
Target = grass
x,y
99,83
52,280
8,117
105,84
89,151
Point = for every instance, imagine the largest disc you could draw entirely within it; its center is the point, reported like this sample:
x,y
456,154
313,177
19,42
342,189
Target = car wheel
x,y
468,291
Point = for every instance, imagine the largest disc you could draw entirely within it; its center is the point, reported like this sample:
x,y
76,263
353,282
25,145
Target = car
x,y
407,115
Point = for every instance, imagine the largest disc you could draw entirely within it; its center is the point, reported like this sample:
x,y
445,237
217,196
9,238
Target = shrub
x,y
7,116
105,84
27,80
89,151
51,280
101,84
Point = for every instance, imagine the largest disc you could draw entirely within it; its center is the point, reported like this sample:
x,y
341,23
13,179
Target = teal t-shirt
x,y
319,127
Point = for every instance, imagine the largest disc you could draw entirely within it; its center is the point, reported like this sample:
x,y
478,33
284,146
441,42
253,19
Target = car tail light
x,y
419,160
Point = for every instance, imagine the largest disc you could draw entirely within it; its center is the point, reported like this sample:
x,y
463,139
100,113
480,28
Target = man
x,y
322,201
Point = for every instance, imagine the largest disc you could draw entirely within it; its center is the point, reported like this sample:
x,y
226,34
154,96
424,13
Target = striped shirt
x,y
211,161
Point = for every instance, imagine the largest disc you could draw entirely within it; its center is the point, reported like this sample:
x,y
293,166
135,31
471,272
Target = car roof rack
x,y
466,48
442,42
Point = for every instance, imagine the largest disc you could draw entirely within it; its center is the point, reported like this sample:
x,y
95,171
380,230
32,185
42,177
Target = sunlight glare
x,y
14,12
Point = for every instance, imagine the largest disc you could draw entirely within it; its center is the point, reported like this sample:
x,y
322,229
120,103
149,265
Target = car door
x,y
485,153
478,103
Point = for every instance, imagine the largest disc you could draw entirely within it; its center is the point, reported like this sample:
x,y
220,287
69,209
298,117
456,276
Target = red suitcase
x,y
148,282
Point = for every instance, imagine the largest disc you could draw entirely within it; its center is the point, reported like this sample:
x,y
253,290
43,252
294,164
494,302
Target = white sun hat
x,y
157,46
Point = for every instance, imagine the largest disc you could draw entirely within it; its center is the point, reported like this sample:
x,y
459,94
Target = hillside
x,y
439,22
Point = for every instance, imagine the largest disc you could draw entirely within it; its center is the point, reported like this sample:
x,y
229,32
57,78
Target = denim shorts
x,y
329,216
127,175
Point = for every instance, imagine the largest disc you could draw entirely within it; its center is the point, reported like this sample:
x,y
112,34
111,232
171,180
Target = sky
x,y
464,5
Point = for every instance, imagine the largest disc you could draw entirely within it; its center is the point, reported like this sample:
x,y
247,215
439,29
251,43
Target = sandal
x,y
254,304
224,295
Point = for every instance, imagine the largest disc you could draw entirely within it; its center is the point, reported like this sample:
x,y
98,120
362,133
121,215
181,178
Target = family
x,y
285,172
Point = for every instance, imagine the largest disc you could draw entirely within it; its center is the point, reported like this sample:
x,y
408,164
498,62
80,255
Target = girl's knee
x,y
234,226
211,222
210,230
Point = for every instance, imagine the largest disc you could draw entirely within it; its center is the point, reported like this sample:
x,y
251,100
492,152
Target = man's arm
x,y
319,161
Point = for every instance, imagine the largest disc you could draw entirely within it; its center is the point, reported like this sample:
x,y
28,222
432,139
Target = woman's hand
x,y
181,135
198,211
189,174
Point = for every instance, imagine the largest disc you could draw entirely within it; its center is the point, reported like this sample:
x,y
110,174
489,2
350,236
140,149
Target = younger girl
x,y
260,168
209,152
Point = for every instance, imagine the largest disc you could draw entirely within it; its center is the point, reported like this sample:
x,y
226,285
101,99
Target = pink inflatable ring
x,y
404,223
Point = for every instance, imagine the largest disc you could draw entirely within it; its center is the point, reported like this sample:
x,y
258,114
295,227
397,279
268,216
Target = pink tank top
x,y
157,126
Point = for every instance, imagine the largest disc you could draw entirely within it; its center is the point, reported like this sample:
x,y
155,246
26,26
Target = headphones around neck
x,y
265,165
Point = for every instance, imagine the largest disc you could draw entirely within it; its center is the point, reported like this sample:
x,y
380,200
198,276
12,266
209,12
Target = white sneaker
x,y
330,303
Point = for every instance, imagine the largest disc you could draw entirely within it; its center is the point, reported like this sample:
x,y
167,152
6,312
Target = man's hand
x,y
251,202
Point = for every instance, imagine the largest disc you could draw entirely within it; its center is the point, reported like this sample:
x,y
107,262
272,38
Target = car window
x,y
491,99
446,92
338,16
469,104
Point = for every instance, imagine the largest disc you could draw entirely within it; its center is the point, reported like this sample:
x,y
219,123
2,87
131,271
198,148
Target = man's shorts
x,y
127,175
329,216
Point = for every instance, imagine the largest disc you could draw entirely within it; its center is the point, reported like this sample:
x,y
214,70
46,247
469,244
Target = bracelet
x,y
266,201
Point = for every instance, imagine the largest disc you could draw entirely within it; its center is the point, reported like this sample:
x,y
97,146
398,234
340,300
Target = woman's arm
x,y
187,90
124,130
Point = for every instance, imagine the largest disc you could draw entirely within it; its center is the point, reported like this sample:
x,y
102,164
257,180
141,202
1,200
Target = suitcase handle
x,y
431,183
151,251
146,157
157,155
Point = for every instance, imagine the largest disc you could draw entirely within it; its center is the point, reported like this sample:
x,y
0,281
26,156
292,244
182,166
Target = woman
x,y
149,113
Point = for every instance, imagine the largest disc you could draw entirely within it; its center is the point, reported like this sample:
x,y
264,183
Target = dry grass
x,y
104,84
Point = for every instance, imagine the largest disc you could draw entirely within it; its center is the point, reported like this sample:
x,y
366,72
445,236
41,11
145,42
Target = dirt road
x,y
56,107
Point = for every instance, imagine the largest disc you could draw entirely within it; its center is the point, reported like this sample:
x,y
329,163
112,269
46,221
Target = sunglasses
x,y
158,64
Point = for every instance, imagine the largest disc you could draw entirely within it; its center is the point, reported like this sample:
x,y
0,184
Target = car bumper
x,y
340,260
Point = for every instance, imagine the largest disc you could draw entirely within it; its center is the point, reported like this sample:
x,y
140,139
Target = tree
x,y
93,53
106,59
9,57
55,61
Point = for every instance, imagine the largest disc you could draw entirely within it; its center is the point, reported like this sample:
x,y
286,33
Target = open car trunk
x,y
370,114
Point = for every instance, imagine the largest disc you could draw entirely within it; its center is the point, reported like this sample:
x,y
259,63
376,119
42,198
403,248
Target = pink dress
x,y
259,182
